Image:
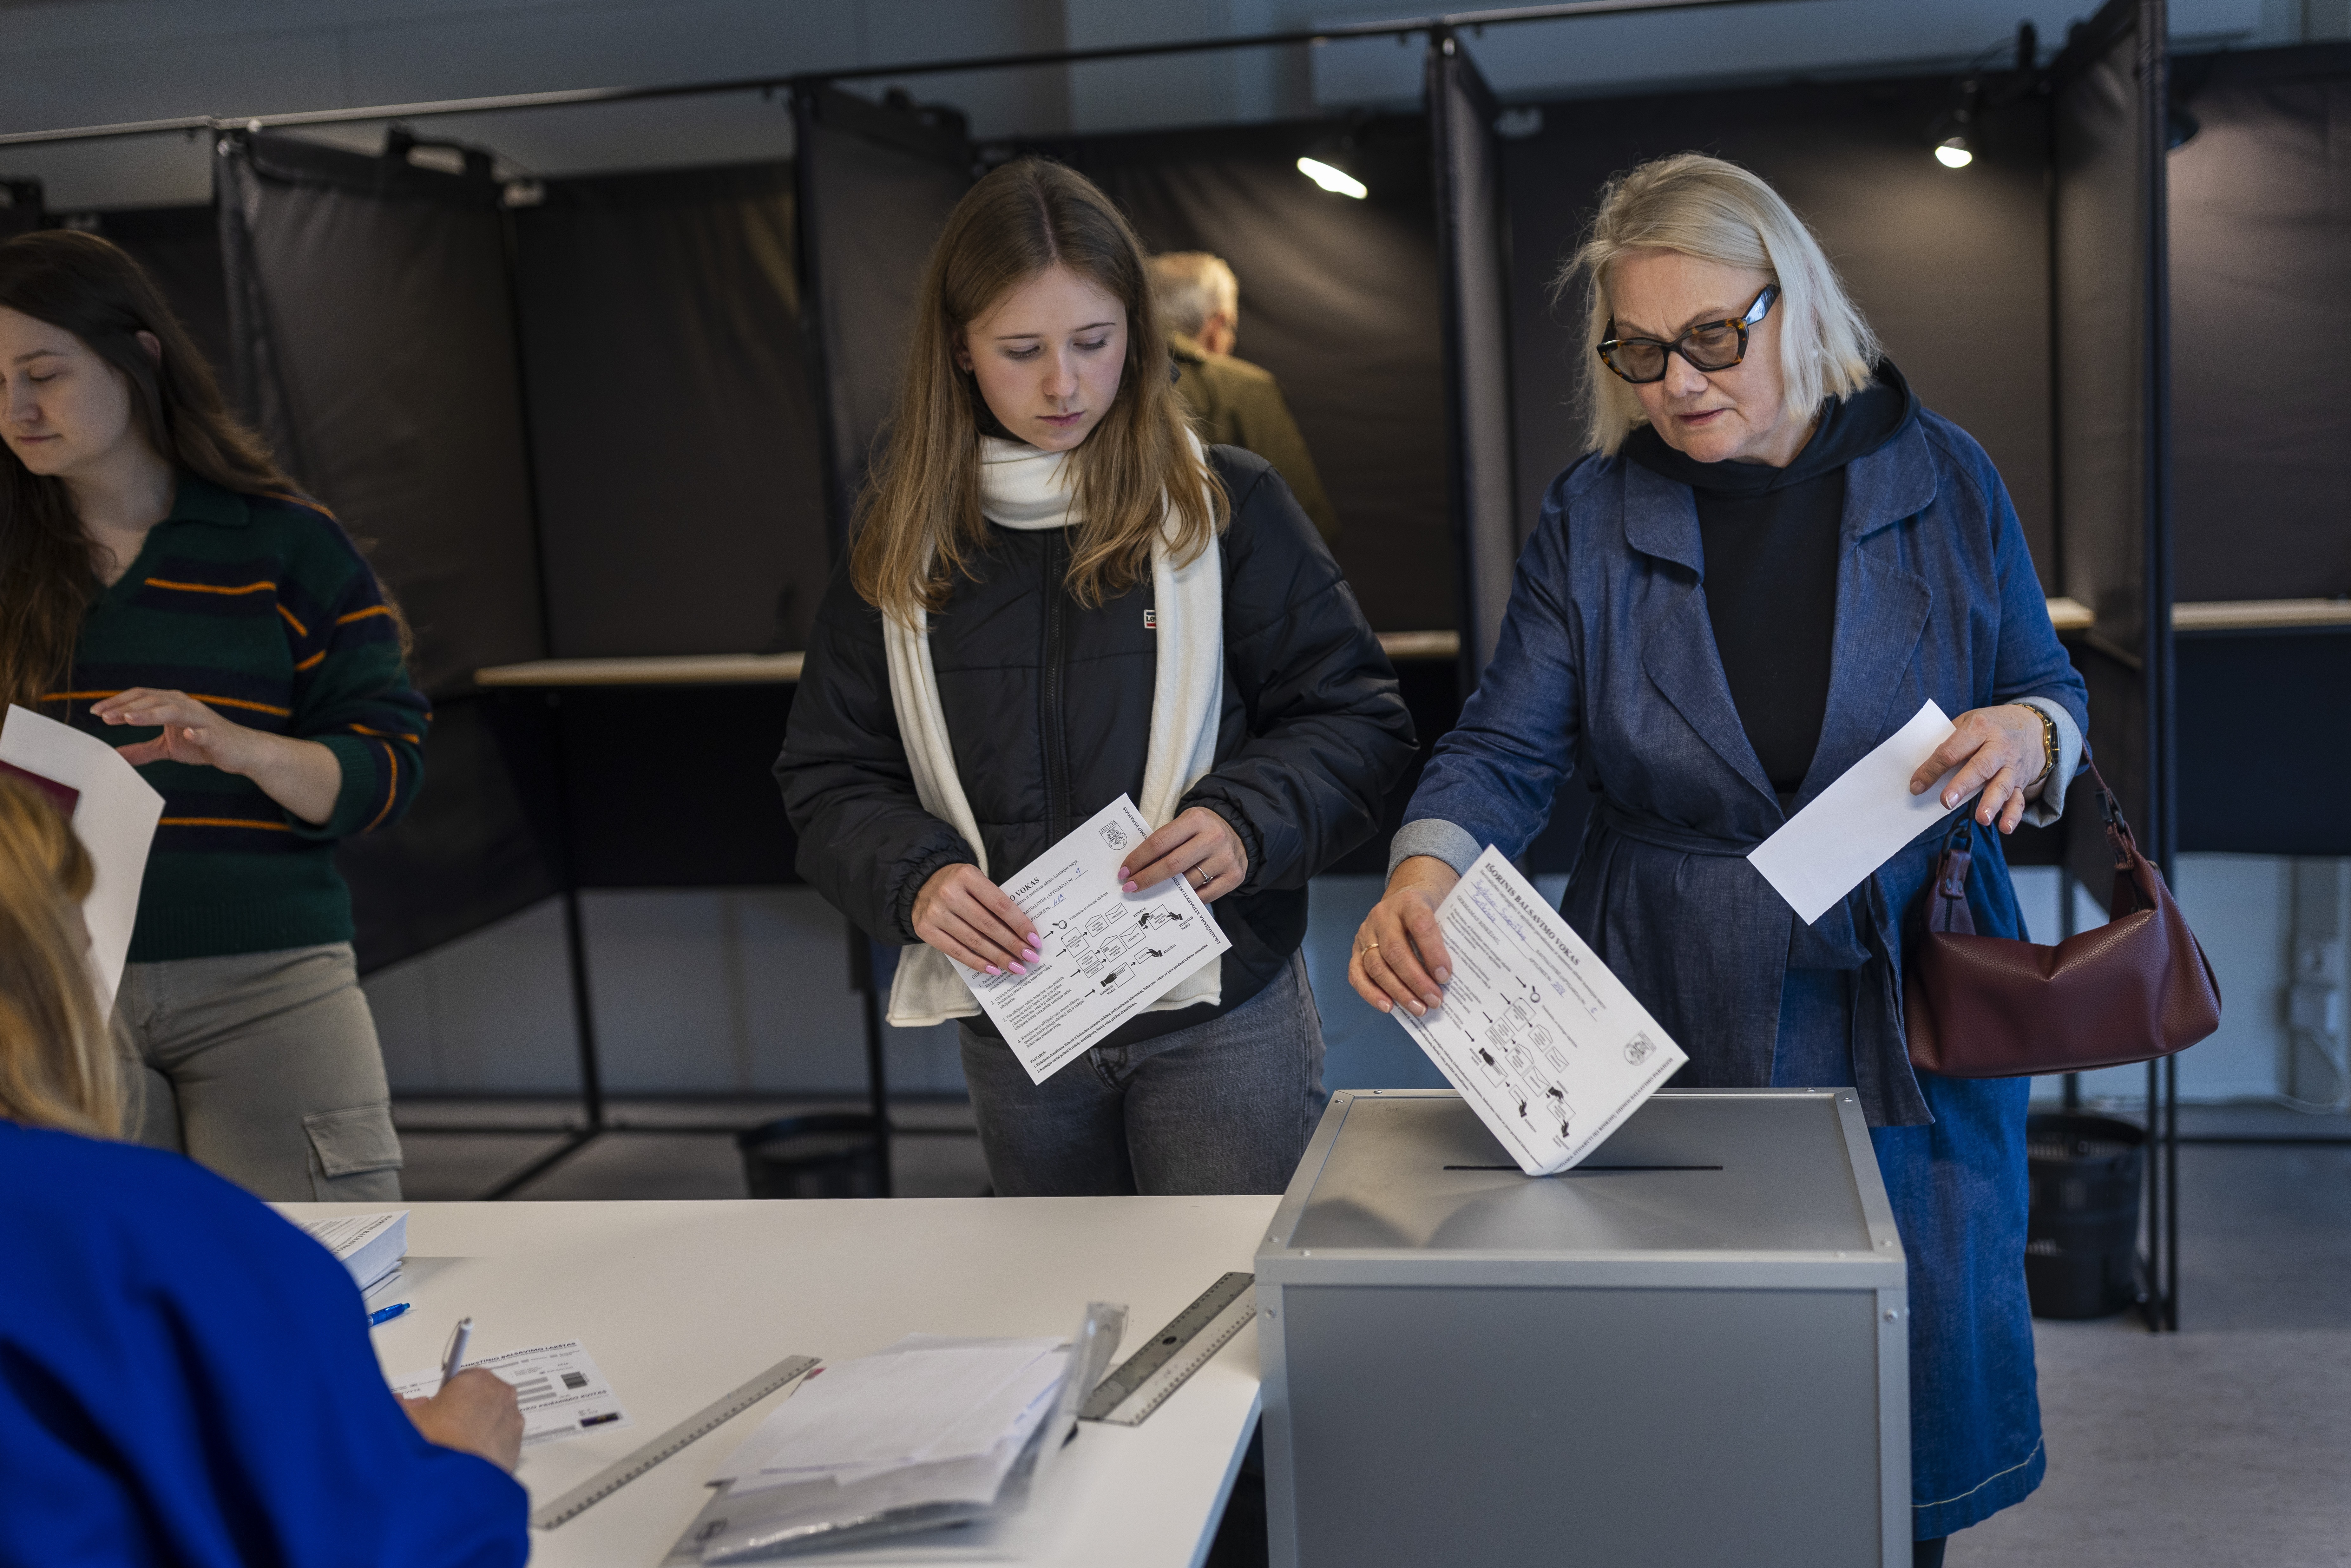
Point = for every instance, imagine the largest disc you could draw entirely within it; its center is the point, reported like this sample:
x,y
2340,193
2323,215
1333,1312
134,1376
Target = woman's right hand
x,y
475,1411
970,919
1400,957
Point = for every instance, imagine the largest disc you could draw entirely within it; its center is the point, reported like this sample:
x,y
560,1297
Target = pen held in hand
x,y
455,1358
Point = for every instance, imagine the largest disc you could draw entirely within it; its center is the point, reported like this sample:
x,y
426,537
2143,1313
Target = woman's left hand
x,y
302,776
1198,846
1999,748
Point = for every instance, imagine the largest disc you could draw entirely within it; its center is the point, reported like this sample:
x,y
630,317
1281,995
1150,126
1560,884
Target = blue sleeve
x,y
1494,776
193,1383
2030,666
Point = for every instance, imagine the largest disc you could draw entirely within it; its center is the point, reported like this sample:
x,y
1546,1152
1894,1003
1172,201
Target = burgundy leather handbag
x,y
1987,1006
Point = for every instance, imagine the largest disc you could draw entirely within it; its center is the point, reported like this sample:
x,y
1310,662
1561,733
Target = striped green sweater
x,y
259,607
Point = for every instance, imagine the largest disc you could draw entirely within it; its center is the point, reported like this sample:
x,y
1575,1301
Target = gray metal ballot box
x,y
1689,1351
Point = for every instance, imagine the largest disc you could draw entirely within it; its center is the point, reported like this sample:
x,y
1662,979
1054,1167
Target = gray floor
x,y
646,1160
2227,1443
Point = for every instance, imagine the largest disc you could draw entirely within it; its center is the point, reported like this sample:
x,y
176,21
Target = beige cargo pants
x,y
263,1067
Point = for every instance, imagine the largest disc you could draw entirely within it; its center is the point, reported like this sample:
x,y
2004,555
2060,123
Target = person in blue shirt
x,y
186,1378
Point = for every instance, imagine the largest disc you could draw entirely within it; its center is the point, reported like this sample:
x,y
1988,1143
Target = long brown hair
x,y
919,520
57,1064
49,567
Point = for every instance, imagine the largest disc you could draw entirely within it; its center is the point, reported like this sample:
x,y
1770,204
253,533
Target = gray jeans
x,y
263,1067
1225,1106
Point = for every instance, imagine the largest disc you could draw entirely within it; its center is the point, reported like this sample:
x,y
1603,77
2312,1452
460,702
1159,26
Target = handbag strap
x,y
1947,895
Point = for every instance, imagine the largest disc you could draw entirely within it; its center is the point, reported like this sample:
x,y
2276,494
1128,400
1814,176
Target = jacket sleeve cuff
x,y
1252,843
2050,803
1433,836
901,908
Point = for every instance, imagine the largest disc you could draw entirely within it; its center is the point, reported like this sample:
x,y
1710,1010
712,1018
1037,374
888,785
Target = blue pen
x,y
387,1314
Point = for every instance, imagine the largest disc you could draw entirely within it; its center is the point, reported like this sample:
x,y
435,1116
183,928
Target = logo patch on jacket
x,y
1150,619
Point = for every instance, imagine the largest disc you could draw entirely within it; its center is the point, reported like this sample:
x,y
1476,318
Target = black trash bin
x,y
826,1154
2080,1249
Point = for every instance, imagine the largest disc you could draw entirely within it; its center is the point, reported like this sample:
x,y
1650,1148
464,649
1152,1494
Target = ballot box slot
x,y
1586,1170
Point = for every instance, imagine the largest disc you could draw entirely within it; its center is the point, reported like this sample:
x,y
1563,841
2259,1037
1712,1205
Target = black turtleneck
x,y
1769,542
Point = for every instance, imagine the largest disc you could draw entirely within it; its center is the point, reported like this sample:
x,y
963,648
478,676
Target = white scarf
x,y
1022,488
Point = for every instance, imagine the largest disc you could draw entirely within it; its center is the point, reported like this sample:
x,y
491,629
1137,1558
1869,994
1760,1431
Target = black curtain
x,y
179,248
373,342
20,207
680,478
875,183
1338,301
1488,523
2260,297
375,346
1950,266
2106,142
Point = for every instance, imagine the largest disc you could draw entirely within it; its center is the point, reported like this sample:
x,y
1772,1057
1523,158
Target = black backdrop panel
x,y
1950,266
1488,523
474,848
20,207
680,477
875,187
375,343
2106,264
180,249
2260,314
1338,300
2280,697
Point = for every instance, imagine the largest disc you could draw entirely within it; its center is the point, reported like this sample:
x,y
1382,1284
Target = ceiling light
x,y
1952,153
1338,181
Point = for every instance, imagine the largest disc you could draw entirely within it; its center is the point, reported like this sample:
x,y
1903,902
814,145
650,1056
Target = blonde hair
x,y
918,522
1717,211
1191,285
57,1063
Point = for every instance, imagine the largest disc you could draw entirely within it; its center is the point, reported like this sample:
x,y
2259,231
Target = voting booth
x,y
1692,1348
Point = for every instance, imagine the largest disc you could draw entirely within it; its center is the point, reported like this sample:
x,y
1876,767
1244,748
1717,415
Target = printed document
x,y
114,815
1107,955
561,1393
1548,1047
1858,823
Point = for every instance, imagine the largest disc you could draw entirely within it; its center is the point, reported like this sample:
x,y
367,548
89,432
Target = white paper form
x,y
1107,955
369,1245
115,819
561,1393
1547,1045
1858,823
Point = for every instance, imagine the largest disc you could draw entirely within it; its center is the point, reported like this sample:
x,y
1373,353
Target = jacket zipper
x,y
1049,695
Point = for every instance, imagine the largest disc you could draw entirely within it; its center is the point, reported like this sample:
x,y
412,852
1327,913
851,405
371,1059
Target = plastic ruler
x,y
708,1419
1168,1360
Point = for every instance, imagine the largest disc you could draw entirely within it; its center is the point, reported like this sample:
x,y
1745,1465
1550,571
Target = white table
x,y
680,1302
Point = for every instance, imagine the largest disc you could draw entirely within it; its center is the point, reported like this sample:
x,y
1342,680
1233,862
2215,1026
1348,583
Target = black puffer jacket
x,y
1048,709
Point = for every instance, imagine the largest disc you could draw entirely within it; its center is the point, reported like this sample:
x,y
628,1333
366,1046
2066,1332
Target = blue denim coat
x,y
1606,664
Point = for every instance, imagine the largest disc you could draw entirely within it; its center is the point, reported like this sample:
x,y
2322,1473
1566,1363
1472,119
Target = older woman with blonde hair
x,y
186,1377
1768,560
1057,596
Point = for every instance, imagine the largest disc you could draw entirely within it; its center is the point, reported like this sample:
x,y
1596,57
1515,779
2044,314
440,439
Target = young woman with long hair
x,y
137,1423
1055,596
164,587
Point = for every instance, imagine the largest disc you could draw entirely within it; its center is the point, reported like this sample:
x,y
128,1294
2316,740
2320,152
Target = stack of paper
x,y
369,1245
957,1409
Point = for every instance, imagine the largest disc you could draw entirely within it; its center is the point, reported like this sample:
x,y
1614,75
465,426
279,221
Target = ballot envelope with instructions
x,y
1691,1348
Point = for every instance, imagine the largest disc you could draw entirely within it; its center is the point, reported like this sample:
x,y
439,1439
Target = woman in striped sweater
x,y
164,587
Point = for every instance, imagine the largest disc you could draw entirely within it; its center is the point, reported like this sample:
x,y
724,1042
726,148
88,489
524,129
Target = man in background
x,y
1233,402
